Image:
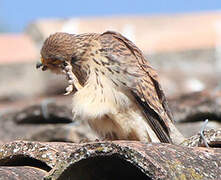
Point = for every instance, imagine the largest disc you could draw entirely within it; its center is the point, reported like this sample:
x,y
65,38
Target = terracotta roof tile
x,y
16,48
162,33
109,160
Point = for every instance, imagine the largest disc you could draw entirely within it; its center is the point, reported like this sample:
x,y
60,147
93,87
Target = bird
x,y
116,90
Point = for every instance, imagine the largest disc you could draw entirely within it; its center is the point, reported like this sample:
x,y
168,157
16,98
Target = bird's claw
x,y
69,89
72,80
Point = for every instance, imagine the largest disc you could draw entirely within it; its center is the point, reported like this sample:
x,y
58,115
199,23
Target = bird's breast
x,y
98,97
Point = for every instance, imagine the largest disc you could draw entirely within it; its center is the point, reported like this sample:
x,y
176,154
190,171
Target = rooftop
x,y
17,48
153,34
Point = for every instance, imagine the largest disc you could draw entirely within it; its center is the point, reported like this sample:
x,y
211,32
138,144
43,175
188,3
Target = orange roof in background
x,y
153,34
17,48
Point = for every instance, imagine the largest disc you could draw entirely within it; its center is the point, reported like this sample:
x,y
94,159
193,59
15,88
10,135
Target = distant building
x,y
153,34
182,46
16,48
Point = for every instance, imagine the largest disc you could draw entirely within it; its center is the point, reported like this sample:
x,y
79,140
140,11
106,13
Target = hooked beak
x,y
39,64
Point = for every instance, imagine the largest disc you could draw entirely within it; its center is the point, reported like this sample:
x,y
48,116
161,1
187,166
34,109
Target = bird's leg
x,y
202,137
72,79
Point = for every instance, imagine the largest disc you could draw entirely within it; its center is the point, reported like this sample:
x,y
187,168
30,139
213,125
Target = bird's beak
x,y
38,65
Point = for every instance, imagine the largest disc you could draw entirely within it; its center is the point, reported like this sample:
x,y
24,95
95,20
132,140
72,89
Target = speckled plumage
x,y
120,95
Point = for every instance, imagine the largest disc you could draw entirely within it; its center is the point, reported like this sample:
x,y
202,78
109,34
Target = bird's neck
x,y
82,43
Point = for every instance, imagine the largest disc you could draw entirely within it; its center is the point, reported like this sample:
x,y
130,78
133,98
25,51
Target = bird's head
x,y
57,49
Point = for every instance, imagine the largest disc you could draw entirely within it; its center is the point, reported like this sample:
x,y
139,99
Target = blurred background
x,y
181,39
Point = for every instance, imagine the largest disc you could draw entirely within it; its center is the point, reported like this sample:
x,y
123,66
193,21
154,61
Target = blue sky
x,y
15,14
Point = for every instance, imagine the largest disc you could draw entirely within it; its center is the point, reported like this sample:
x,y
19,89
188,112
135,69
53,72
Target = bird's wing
x,y
145,87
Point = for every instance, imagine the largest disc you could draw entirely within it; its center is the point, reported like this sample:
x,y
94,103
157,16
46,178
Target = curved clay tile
x,y
24,173
114,160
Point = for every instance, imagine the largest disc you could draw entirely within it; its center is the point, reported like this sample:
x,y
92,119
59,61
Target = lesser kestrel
x,y
118,92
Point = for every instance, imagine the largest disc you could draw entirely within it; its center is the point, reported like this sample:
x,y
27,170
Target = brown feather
x,y
117,81
155,104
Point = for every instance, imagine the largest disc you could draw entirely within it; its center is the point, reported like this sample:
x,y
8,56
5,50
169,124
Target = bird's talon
x,y
70,81
69,89
69,73
67,93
